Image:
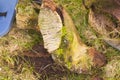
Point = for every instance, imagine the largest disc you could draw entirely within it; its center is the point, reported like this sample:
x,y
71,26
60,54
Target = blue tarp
x,y
8,7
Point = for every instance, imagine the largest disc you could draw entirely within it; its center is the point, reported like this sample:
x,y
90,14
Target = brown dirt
x,y
46,67
43,63
98,58
37,51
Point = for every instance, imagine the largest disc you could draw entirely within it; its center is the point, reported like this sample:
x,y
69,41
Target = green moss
x,y
59,54
64,32
68,64
64,52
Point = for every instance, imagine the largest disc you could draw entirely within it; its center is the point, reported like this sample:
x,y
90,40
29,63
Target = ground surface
x,y
22,56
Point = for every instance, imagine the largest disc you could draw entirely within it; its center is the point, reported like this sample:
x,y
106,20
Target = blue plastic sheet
x,y
8,7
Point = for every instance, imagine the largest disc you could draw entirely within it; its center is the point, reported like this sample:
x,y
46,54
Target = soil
x,y
37,51
43,63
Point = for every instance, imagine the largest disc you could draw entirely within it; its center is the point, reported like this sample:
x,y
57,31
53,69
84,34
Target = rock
x,y
51,28
62,40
